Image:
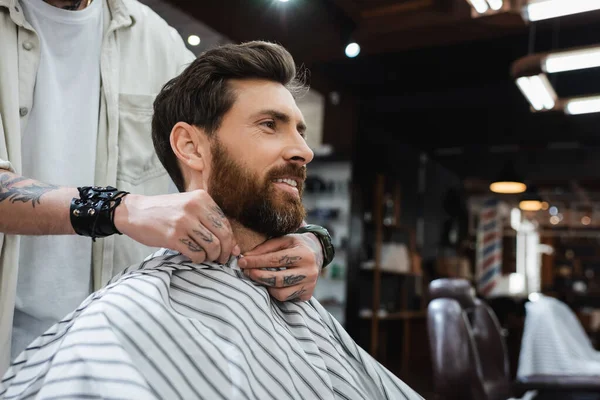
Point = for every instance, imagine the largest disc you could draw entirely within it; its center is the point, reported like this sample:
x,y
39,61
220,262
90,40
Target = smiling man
x,y
171,329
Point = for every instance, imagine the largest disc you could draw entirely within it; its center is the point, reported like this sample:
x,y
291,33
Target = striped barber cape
x,y
170,329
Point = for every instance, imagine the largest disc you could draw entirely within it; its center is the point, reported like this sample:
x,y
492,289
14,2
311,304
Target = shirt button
x,y
27,45
23,111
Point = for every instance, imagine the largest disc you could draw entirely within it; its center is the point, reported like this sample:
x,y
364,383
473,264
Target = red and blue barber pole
x,y
489,247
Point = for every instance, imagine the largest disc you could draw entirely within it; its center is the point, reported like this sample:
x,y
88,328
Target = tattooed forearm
x,y
291,280
32,192
268,281
296,294
204,234
193,246
287,260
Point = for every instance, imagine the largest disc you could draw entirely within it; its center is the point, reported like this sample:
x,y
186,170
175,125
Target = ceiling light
x,y
585,220
508,181
487,7
495,4
572,60
193,40
508,187
352,50
530,205
530,200
530,73
538,91
582,105
479,5
283,1
538,10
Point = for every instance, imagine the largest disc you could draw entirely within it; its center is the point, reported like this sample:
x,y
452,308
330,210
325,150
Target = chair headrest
x,y
458,289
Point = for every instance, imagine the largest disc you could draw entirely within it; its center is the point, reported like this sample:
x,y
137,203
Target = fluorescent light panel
x,y
546,9
572,60
538,91
495,4
482,6
583,105
479,5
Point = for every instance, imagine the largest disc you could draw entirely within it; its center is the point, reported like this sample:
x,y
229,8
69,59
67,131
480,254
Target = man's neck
x,y
246,238
73,5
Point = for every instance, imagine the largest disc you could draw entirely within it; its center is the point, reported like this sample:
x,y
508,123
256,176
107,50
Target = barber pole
x,y
489,247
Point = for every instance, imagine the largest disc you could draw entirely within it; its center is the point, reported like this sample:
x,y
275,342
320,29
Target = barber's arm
x,y
303,254
190,222
30,207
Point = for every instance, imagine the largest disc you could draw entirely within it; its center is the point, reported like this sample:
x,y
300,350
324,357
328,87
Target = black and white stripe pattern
x,y
554,341
169,329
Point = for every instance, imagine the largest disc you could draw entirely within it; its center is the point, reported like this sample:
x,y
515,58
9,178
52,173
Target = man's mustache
x,y
290,171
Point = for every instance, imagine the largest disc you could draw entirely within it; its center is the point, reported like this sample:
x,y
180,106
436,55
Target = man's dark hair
x,y
201,96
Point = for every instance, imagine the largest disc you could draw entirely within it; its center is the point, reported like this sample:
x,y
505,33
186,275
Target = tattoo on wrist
x,y
193,246
289,260
204,234
32,192
268,281
291,280
296,294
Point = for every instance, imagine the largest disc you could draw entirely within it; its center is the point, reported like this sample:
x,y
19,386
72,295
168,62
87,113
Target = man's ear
x,y
188,145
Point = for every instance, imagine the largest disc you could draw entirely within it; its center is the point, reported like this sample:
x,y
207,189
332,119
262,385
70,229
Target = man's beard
x,y
256,204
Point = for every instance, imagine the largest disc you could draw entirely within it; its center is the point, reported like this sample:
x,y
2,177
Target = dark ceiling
x,y
432,76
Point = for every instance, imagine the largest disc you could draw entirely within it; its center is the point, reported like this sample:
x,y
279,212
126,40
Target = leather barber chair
x,y
469,354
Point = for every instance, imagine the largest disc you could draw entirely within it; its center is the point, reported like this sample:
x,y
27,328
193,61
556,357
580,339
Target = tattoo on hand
x,y
296,294
268,281
217,223
287,260
32,192
204,234
193,246
218,210
291,280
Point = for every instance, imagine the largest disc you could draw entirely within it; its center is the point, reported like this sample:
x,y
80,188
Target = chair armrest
x,y
566,383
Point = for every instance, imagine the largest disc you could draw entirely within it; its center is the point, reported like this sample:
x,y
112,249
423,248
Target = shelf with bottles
x,y
413,270
367,313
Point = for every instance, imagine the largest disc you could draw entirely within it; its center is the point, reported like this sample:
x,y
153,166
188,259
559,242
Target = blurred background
x,y
416,107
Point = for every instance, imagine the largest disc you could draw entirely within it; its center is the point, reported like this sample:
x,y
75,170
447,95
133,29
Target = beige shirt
x,y
140,53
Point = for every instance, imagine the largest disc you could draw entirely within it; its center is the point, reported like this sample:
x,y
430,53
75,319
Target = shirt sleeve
x,y
4,163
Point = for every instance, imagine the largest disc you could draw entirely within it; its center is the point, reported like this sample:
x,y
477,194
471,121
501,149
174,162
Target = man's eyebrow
x,y
282,117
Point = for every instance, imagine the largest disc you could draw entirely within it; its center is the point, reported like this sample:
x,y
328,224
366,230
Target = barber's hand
x,y
300,254
191,223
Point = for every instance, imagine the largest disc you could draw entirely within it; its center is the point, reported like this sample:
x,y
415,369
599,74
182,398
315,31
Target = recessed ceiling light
x,y
193,40
352,50
283,1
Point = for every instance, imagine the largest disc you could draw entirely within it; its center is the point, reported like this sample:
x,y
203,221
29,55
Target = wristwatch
x,y
324,237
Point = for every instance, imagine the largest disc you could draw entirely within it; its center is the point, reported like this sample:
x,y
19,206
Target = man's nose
x,y
299,152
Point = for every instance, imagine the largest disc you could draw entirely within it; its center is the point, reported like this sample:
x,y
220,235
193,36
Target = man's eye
x,y
269,124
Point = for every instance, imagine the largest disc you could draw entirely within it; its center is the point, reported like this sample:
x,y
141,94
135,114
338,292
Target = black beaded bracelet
x,y
93,213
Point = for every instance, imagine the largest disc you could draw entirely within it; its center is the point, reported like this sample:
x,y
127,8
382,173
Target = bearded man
x,y
172,329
